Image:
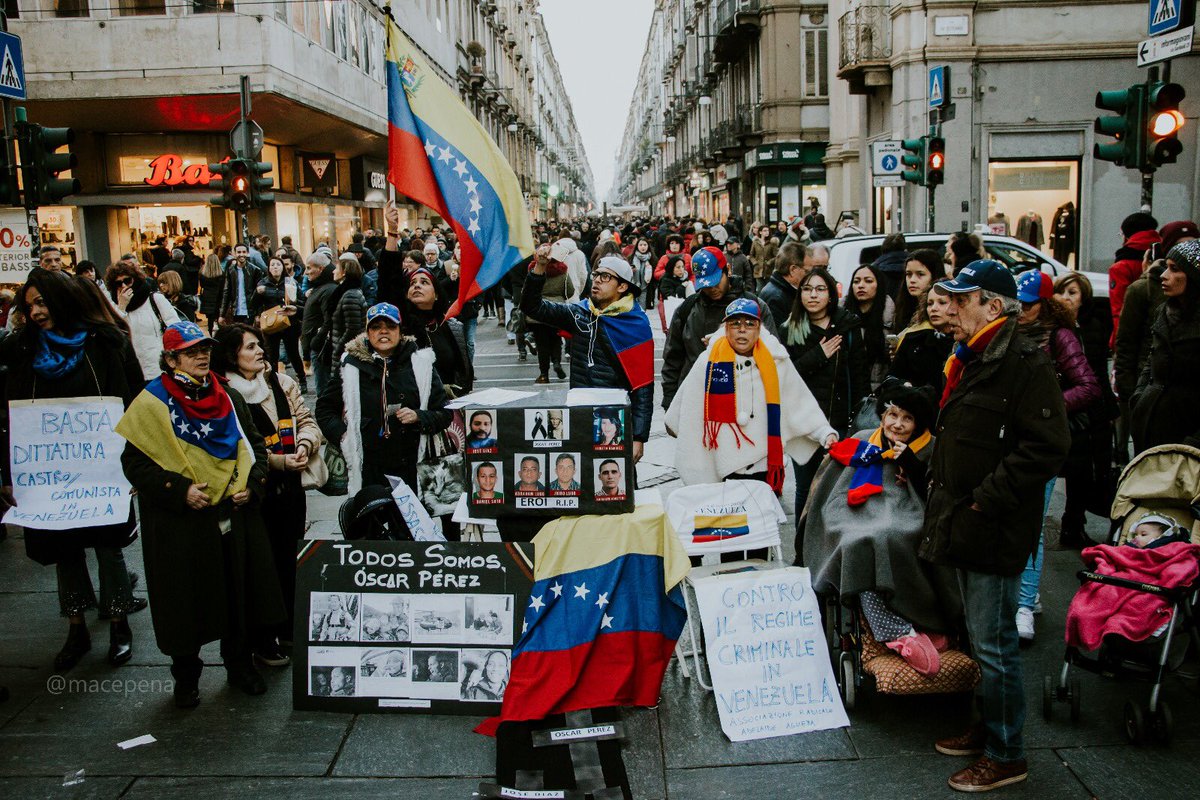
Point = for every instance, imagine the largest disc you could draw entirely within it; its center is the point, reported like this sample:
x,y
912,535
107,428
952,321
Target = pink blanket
x,y
1098,610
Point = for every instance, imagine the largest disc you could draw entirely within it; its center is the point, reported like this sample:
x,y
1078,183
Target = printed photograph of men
x,y
529,475
566,475
481,437
610,479
487,476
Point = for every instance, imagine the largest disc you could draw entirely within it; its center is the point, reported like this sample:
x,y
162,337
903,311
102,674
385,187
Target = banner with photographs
x,y
407,626
546,460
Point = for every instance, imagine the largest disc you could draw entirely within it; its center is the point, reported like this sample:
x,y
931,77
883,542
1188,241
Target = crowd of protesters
x,y
971,388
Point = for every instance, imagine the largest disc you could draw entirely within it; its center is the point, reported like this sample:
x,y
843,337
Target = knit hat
x,y
1172,232
431,247
916,400
1137,222
1186,256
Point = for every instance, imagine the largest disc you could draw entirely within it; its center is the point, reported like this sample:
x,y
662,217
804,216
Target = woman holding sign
x,y
72,346
200,471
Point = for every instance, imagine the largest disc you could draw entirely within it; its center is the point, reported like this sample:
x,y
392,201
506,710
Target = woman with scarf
x,y
674,249
425,320
743,407
72,345
383,399
865,521
278,290
924,346
347,305
291,436
146,311
1047,321
200,471
642,261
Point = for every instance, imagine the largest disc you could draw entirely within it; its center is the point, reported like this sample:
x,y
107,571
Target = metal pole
x,y
1148,192
245,227
929,223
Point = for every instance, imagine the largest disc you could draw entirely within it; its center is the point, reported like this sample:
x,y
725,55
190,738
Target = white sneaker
x,y
1037,603
1025,623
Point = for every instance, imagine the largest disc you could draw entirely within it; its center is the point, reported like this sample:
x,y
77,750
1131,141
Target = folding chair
x,y
716,518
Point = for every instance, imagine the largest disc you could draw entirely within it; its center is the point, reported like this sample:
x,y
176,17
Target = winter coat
x,y
594,362
740,267
660,268
555,289
642,266
670,286
803,427
250,276
698,317
1164,405
1142,301
921,358
185,306
841,382
193,591
451,359
189,274
779,295
260,393
273,295
762,255
314,330
212,294
1001,436
146,329
1081,388
350,411
370,287
1126,270
347,315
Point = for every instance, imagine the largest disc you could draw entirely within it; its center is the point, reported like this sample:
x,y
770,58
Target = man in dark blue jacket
x,y
610,311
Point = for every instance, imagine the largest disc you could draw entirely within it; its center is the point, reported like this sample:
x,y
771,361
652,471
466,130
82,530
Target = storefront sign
x,y
15,246
767,654
407,626
319,170
171,170
66,463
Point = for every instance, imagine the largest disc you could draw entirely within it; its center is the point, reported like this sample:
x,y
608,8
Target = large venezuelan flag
x,y
603,616
206,446
440,156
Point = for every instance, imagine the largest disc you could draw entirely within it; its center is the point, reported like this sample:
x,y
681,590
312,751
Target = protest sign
x,y
65,460
767,654
407,626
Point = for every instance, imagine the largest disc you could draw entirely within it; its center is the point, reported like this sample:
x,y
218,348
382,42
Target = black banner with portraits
x,y
417,627
541,457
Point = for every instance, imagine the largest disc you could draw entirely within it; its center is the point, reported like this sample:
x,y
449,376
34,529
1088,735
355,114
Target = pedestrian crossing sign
x,y
12,68
937,86
1165,15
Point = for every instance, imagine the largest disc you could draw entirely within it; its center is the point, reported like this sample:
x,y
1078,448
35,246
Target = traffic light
x,y
220,183
914,158
935,160
41,163
260,185
1128,129
234,184
10,189
1163,123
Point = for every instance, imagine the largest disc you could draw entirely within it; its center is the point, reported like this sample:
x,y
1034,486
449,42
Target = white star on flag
x,y
582,591
557,589
460,168
183,427
471,185
476,206
206,429
605,621
524,627
536,604
446,155
429,148
474,226
602,600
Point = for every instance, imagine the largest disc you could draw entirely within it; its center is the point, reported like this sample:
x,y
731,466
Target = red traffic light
x,y
1166,123
240,184
937,161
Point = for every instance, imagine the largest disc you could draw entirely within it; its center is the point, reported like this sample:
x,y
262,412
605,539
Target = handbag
x,y
315,474
273,320
337,482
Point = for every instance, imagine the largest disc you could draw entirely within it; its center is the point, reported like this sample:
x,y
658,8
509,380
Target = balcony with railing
x,y
737,25
865,47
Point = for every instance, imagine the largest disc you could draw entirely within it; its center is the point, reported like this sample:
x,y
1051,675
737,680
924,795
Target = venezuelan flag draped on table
x,y
440,156
603,616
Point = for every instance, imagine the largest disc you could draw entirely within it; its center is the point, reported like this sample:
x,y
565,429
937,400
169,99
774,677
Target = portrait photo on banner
x,y
334,617
549,426
608,428
482,434
487,482
530,469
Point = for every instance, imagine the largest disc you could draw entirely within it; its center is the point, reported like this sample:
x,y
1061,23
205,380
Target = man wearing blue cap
x,y
700,315
1001,435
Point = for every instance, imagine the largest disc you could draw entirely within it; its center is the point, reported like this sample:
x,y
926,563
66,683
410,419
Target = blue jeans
x,y
469,329
990,603
1031,578
321,372
804,478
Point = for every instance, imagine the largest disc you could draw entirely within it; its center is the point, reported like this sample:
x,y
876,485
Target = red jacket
x,y
1127,270
661,267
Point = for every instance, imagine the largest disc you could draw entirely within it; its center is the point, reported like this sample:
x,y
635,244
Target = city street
x,y
239,746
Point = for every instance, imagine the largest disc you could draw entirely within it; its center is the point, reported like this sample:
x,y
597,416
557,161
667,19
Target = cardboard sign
x,y
767,654
66,463
407,626
545,458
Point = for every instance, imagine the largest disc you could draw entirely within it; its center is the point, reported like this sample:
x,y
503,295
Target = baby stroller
x,y
1163,481
372,515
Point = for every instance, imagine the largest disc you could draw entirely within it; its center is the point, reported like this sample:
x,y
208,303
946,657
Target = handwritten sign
x,y
767,654
66,463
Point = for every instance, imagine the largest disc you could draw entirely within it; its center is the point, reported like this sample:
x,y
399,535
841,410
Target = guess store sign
x,y
172,170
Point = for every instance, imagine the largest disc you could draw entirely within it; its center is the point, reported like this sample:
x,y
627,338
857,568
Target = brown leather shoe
x,y
965,744
986,774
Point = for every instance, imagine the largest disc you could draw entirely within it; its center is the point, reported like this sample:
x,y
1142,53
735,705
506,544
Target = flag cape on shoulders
x,y
602,619
440,156
205,443
629,332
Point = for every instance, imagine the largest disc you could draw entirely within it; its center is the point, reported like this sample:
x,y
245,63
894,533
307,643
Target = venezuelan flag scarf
x,y
966,353
720,404
867,458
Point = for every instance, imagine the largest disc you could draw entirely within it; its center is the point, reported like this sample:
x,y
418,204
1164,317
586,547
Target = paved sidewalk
x,y
239,746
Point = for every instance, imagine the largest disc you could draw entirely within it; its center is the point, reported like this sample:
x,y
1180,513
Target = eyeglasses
x,y
742,324
816,288
603,277
196,351
123,282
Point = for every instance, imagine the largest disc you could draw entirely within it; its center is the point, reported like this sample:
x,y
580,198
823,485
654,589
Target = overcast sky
x,y
599,47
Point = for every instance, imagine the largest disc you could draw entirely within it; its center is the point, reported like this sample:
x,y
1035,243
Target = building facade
x,y
151,89
1022,83
731,111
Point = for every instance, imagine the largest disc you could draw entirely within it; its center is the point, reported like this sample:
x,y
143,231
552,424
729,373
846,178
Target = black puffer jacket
x,y
779,295
314,330
840,383
1168,390
594,362
347,314
921,359
696,319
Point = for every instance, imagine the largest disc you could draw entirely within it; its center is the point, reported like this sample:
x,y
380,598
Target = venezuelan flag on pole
x,y
440,156
603,616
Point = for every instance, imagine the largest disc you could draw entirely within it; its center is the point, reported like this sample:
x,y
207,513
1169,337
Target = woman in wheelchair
x,y
863,523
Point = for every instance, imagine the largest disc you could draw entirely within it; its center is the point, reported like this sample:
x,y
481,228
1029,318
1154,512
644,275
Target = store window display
x,y
1038,203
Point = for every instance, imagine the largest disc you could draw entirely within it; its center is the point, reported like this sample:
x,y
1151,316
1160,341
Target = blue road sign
x,y
889,163
937,86
1165,15
12,67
